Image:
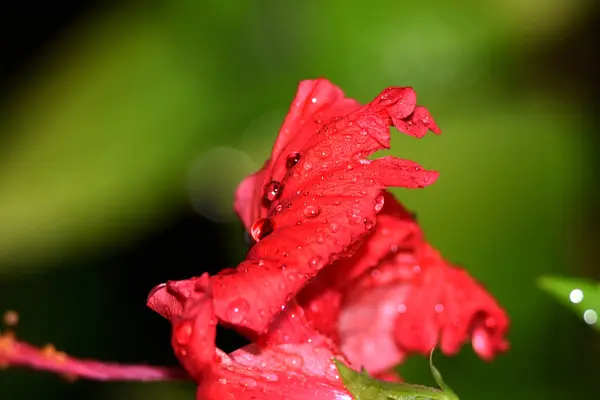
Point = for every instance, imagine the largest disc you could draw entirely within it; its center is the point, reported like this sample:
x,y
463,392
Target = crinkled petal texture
x,y
321,214
317,196
397,296
291,361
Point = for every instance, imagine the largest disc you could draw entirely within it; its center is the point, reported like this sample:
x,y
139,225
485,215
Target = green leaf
x,y
580,295
363,387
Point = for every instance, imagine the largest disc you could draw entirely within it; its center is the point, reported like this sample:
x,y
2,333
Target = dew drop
x,y
315,262
294,361
363,131
183,333
355,217
248,382
272,191
379,201
312,211
333,227
292,159
237,311
307,166
262,228
368,224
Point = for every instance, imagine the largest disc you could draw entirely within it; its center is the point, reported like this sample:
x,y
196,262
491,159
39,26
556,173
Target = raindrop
x,y
363,131
355,217
271,377
292,159
183,333
315,262
294,361
248,382
272,191
262,228
379,201
312,211
368,224
333,227
237,310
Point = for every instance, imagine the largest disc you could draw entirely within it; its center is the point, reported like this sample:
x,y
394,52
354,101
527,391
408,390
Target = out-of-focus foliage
x,y
141,109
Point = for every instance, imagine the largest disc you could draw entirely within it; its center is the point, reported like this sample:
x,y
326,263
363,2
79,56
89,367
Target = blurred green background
x,y
125,127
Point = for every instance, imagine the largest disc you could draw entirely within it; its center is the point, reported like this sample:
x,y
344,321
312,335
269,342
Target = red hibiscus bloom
x,y
395,295
338,264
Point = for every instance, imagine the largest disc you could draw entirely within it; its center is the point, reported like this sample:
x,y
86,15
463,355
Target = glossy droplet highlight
x,y
183,333
292,159
368,223
272,191
379,202
315,262
294,361
354,216
237,311
312,211
262,228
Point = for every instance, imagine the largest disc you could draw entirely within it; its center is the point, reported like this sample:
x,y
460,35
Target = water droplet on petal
x,y
315,262
261,228
272,191
294,361
292,159
333,227
439,308
379,201
312,211
183,333
271,377
368,224
248,382
363,131
355,217
237,311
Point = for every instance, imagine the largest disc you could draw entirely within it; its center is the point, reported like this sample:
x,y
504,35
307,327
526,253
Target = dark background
x,y
125,127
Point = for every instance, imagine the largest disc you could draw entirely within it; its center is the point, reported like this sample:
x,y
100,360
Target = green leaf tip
x,y
580,295
363,387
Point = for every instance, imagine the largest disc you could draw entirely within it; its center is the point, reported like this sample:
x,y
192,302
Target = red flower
x,y
417,298
338,264
317,198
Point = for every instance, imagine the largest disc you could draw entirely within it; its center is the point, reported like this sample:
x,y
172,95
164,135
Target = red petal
x,y
194,331
19,354
327,198
292,361
429,302
322,298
